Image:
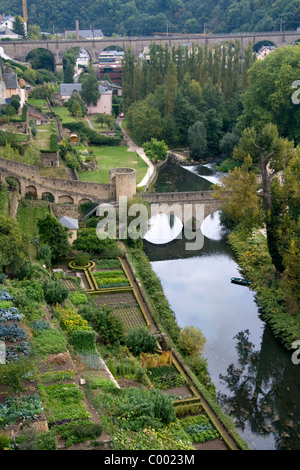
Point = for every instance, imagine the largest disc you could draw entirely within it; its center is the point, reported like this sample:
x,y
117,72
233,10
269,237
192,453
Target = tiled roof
x,y
10,79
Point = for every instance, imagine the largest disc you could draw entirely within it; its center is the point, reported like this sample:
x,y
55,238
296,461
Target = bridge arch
x,y
13,183
259,44
65,199
47,196
41,58
31,192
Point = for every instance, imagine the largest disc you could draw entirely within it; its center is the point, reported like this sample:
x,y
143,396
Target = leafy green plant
x,y
26,407
62,402
140,340
77,298
54,292
199,428
84,341
165,377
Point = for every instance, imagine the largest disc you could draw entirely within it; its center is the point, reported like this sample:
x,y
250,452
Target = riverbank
x,y
256,265
164,318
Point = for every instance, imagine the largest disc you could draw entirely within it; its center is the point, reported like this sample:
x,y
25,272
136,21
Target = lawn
x,y
64,114
43,136
40,104
113,157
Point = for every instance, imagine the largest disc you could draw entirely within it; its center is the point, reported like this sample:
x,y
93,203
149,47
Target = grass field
x,y
43,136
39,104
113,157
64,114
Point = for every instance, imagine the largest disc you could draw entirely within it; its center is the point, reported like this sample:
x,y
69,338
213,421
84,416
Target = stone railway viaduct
x,y
19,50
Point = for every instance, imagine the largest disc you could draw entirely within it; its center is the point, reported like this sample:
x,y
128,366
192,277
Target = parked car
x,y
121,115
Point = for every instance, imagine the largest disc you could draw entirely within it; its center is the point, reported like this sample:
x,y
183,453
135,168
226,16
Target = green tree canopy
x,y
90,91
52,233
268,97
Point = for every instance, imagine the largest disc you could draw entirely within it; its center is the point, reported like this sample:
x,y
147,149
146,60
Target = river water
x,y
256,381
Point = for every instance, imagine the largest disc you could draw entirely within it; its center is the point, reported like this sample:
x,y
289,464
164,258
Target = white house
x,y
265,50
104,104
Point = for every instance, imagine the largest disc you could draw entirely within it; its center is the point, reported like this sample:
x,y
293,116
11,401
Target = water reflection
x,y
257,383
261,388
163,229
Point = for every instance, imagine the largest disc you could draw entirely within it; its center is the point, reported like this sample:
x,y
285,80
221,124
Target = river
x,y
256,381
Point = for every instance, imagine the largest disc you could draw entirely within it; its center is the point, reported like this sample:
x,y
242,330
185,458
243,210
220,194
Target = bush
x,y
4,441
140,340
104,322
45,255
191,340
54,292
70,320
84,341
77,298
81,433
82,258
47,441
33,290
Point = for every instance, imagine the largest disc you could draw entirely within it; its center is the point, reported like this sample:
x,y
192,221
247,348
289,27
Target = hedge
x,y
92,136
84,341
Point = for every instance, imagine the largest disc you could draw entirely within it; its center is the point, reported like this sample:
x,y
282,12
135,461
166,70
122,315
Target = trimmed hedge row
x,y
92,136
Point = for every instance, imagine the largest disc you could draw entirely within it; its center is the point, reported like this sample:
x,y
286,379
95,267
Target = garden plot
x,y
125,306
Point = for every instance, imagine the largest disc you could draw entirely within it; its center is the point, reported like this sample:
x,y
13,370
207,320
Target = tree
x,y
69,73
12,246
54,292
213,125
170,89
52,233
19,26
140,340
197,140
240,201
156,150
90,90
270,153
268,97
14,374
191,340
144,122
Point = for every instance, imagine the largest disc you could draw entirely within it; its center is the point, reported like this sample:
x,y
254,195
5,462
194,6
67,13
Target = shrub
x,y
4,441
54,292
140,340
47,441
191,340
82,258
84,341
45,255
33,289
104,322
50,342
70,320
81,433
77,298
40,325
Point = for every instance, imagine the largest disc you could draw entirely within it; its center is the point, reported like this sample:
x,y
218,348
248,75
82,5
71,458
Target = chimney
x,y
77,29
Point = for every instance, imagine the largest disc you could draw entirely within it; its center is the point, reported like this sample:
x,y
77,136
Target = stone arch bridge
x,y
19,50
192,198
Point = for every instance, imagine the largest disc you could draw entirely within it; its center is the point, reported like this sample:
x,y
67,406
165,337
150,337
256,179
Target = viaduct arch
x,y
20,49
